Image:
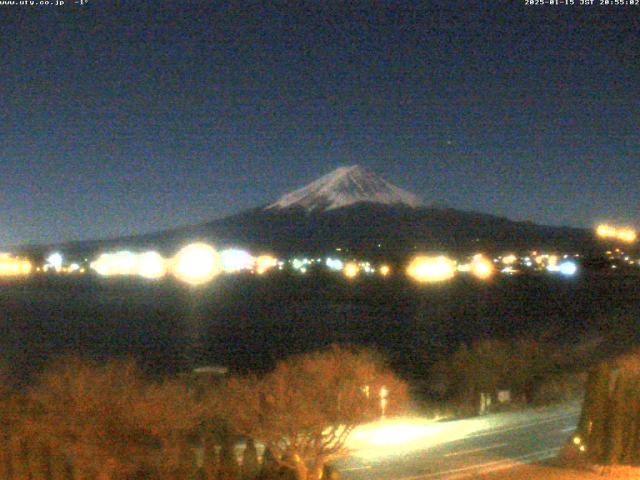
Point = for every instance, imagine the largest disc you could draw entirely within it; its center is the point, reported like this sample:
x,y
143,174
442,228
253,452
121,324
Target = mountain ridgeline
x,y
357,211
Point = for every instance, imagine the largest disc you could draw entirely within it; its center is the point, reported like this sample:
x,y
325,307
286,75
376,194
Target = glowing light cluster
x,y
509,259
151,265
14,266
74,267
622,234
234,260
264,263
196,264
366,267
482,267
301,264
119,263
54,261
334,264
351,270
568,268
426,269
148,264
385,270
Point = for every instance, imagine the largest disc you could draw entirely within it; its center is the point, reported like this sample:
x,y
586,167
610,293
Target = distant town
x,y
199,263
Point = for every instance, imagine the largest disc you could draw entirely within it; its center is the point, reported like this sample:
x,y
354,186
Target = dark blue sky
x,y
120,120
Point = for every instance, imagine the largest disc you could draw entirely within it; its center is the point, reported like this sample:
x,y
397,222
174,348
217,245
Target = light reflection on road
x,y
415,448
404,435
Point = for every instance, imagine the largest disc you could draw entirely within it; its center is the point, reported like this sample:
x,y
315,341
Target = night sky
x,y
122,120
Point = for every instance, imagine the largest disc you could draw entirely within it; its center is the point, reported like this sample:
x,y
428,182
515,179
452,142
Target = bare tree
x,y
82,412
305,409
171,415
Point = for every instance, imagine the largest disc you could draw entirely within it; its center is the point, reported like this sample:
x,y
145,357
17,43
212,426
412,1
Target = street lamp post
x,y
384,393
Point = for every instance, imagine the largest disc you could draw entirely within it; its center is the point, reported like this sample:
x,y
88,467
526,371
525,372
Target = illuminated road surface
x,y
401,450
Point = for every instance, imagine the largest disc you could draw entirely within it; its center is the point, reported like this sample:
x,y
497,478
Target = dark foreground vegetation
x,y
527,372
609,429
456,345
81,420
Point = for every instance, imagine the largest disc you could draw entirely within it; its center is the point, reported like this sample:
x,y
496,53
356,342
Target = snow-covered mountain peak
x,y
346,186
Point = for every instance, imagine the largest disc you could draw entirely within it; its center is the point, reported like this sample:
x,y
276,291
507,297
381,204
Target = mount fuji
x,y
343,187
357,211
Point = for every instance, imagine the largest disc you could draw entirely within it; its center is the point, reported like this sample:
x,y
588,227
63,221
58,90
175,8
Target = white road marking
x,y
365,467
474,450
510,463
488,467
568,429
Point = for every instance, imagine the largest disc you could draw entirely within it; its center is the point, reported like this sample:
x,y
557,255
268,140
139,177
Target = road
x,y
416,449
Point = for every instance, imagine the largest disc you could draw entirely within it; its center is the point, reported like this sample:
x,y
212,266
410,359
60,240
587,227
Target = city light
x,y
426,269
14,266
235,260
351,270
605,231
623,234
264,263
196,264
509,259
482,267
151,265
568,268
54,261
366,267
123,262
627,235
334,264
199,263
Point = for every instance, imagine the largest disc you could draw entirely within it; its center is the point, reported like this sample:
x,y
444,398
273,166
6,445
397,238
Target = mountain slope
x,y
343,187
357,211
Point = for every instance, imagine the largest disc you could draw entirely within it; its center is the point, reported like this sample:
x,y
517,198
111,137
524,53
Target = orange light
x,y
623,234
481,267
426,269
351,270
264,263
14,266
509,259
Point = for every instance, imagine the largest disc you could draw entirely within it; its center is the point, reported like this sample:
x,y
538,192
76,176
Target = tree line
x,y
85,420
532,372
